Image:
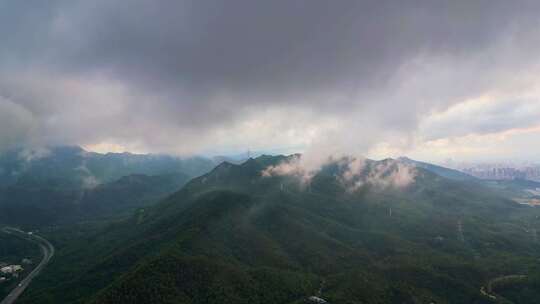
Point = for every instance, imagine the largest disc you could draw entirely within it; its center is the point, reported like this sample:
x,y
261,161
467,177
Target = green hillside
x,y
236,236
38,205
12,251
439,170
73,167
61,185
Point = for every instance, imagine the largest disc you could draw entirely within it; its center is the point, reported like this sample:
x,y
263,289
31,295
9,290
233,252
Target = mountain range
x,y
390,231
60,184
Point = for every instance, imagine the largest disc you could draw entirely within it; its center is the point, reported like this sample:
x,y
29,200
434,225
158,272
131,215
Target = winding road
x,y
48,251
490,293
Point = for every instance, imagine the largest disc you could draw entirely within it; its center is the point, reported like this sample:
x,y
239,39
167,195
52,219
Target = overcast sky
x,y
428,79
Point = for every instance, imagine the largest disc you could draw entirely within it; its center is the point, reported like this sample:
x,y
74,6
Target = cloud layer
x,y
216,76
352,173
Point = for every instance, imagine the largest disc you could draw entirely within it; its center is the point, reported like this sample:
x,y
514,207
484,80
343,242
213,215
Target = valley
x,y
233,228
47,250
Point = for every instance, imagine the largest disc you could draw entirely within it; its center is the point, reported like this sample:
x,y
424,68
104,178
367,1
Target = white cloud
x,y
422,78
354,172
16,123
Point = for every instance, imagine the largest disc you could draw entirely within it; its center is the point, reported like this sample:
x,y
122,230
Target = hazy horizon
x,y
432,81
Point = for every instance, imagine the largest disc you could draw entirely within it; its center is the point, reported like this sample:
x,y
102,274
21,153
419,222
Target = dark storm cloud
x,y
264,46
190,67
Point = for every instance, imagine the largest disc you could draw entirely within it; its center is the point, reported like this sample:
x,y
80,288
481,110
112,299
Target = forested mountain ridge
x,y
239,235
40,206
55,185
67,166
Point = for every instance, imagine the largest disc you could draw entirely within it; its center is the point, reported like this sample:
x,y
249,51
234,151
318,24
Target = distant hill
x,y
40,205
62,184
76,168
129,192
517,189
439,170
236,235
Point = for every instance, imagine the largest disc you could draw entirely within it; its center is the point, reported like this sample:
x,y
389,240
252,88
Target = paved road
x,y
489,292
48,251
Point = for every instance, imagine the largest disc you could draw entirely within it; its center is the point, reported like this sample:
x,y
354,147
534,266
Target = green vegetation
x,y
441,171
519,290
40,205
73,167
61,185
233,236
12,251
